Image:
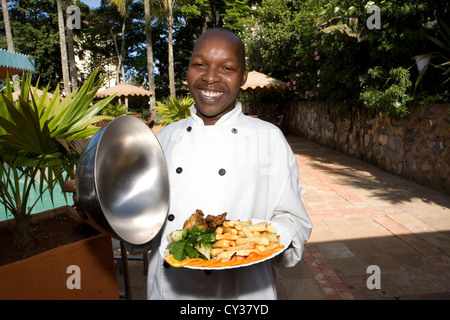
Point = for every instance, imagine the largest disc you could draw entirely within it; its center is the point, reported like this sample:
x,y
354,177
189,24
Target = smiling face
x,y
215,73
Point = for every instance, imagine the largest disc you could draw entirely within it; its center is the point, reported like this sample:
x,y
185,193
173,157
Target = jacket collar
x,y
226,118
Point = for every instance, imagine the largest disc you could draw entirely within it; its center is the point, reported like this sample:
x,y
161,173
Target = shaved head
x,y
229,36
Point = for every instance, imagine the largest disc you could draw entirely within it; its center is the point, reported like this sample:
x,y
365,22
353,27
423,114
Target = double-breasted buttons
x,y
179,170
188,129
222,172
234,130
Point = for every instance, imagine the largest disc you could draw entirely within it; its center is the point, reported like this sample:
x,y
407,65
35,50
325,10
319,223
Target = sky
x,y
92,3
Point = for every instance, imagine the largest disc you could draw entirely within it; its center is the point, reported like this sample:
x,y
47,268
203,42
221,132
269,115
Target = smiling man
x,y
220,160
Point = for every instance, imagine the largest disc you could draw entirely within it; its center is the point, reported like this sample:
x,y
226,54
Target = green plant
x,y
40,140
445,46
115,110
386,92
173,109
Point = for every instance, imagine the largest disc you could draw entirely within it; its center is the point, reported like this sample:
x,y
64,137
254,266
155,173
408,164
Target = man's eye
x,y
228,68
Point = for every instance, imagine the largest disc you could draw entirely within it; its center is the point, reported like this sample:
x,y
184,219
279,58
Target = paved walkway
x,y
362,217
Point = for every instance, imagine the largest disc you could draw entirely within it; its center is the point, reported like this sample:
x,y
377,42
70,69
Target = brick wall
x,y
417,148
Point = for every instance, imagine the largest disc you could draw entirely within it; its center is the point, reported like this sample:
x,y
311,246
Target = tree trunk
x,y
23,237
171,63
122,49
122,7
9,39
114,38
62,45
151,77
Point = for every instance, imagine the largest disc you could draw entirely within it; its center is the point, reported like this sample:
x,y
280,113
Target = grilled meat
x,y
196,219
215,221
211,222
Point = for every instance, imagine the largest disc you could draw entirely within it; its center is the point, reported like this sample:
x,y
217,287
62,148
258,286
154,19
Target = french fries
x,y
240,238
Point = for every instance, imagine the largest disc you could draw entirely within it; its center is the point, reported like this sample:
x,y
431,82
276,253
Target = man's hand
x,y
70,186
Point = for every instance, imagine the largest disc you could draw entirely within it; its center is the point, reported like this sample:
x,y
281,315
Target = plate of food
x,y
216,243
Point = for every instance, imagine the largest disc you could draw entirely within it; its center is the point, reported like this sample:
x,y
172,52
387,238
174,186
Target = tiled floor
x,y
362,217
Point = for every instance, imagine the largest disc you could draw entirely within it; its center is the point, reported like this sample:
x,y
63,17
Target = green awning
x,y
12,63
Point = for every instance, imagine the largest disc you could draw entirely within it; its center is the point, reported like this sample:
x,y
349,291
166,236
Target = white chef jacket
x,y
245,167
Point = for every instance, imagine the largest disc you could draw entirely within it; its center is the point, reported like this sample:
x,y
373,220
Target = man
x,y
220,160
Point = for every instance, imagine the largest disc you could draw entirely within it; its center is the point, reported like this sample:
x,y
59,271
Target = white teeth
x,y
211,94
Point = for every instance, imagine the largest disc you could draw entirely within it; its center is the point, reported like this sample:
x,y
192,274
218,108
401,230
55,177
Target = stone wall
x,y
417,148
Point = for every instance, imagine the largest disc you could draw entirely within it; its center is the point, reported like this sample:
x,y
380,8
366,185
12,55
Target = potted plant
x,y
40,142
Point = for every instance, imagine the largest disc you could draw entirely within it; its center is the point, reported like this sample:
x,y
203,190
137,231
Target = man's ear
x,y
244,77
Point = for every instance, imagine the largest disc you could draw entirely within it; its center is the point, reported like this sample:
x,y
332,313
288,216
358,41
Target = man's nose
x,y
211,76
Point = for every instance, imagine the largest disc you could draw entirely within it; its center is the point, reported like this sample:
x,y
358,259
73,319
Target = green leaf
x,y
177,249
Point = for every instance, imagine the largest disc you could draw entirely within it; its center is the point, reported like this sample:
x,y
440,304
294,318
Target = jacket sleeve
x,y
290,211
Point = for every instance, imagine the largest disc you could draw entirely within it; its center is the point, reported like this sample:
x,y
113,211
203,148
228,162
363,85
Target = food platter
x,y
285,240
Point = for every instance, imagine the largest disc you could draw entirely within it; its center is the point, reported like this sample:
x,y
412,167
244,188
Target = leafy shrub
x,y
115,110
387,92
323,49
172,109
